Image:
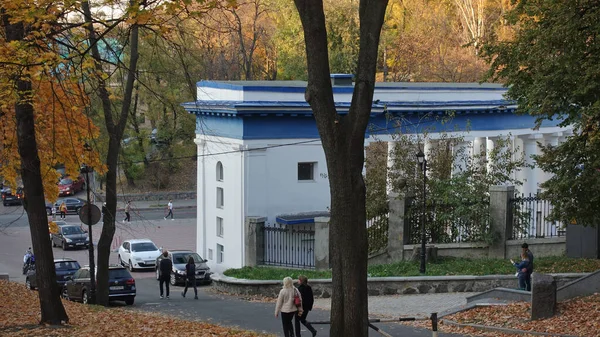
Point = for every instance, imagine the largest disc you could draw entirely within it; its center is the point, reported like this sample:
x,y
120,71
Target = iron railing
x,y
287,245
529,218
377,233
447,223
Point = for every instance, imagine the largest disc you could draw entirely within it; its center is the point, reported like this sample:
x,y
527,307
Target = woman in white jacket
x,y
287,307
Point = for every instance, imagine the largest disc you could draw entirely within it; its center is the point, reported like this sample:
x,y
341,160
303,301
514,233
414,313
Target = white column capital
x,y
199,141
535,136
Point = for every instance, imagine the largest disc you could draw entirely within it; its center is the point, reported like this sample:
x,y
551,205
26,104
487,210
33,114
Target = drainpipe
x,y
204,251
242,201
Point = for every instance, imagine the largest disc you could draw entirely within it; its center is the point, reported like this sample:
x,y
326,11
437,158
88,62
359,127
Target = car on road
x,y
70,186
138,254
10,198
59,223
65,268
74,205
121,285
179,259
70,236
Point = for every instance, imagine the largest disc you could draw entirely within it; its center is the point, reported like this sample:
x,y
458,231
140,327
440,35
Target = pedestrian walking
x,y
170,209
164,268
127,210
307,304
525,249
53,210
104,211
289,302
522,271
63,210
190,272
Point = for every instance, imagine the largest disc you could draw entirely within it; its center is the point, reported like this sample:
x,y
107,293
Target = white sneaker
x,y
165,218
172,219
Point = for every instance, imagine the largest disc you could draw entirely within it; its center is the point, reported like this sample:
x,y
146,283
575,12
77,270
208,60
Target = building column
x,y
553,140
462,152
322,248
489,147
391,160
479,145
201,198
532,174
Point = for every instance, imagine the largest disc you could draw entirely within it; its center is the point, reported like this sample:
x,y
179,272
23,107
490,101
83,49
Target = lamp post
x,y
423,164
89,170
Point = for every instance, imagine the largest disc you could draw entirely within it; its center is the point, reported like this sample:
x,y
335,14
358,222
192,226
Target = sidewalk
x,y
155,204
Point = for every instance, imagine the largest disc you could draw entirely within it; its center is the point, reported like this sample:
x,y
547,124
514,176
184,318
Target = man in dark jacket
x,y
164,272
307,305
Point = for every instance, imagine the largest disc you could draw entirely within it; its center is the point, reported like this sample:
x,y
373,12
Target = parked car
x,y
121,285
70,236
10,198
179,259
65,268
74,205
59,223
69,186
139,253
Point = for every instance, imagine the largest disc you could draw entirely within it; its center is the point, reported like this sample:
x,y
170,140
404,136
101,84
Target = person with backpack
x,y
164,268
63,210
190,272
307,305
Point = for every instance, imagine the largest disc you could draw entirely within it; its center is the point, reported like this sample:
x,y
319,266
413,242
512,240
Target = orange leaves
x,y
21,312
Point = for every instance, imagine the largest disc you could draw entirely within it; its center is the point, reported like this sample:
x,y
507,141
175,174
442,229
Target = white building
x,y
260,153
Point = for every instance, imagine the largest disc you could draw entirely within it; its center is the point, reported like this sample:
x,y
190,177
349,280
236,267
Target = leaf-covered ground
x,y
21,313
575,317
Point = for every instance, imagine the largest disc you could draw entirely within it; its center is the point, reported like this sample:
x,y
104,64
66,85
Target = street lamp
x,y
87,169
423,164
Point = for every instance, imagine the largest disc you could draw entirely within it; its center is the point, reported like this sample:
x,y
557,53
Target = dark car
x,y
65,268
74,205
121,285
70,186
179,259
70,236
10,198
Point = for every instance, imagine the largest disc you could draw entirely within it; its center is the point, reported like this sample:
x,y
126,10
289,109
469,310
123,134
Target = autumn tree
x,y
342,137
41,125
551,70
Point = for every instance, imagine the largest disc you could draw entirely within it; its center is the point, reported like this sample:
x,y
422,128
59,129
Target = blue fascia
x,y
294,222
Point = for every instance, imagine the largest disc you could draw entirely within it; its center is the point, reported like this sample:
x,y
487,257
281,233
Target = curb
x,y
503,330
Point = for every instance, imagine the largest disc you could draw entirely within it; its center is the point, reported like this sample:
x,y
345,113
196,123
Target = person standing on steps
x,y
127,210
164,268
307,305
170,209
190,272
525,249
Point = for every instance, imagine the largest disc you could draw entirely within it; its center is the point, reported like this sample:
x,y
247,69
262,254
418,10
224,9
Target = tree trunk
x,y
115,133
52,310
343,142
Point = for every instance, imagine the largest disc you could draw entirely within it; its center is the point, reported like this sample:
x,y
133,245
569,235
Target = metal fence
x,y
446,223
377,233
288,245
529,218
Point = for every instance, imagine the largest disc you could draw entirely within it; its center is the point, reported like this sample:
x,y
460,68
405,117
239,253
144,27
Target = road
x,y
179,234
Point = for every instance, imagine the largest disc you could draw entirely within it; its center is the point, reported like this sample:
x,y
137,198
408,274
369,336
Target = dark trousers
x,y
63,215
193,283
127,217
164,280
286,320
170,213
524,281
302,319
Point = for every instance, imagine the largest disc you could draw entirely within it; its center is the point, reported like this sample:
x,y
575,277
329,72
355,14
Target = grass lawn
x,y
444,266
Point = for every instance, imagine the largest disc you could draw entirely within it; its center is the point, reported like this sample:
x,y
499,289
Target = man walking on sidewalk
x,y
170,209
127,210
164,276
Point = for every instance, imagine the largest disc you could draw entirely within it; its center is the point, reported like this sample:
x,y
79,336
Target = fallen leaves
x,y
575,317
21,313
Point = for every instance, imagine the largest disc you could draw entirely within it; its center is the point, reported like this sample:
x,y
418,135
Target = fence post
x,y
395,242
253,250
322,243
500,218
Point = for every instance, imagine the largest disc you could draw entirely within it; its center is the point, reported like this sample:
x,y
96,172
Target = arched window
x,y
219,171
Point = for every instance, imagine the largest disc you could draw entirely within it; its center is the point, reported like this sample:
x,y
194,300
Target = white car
x,y
138,254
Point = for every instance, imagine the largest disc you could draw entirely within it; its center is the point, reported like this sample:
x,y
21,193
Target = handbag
x,y
297,301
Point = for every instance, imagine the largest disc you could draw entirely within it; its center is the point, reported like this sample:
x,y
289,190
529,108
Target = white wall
x,y
232,211
272,179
